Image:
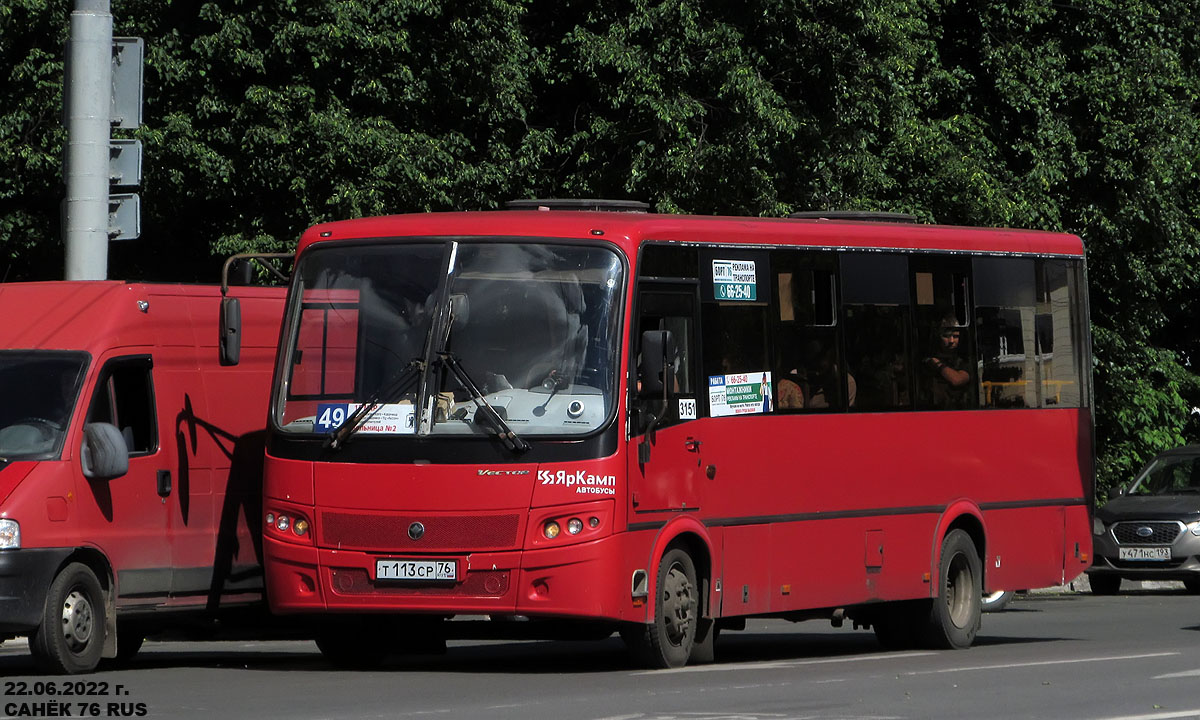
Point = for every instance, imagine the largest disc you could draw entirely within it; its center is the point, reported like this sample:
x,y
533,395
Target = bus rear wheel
x,y
70,638
667,642
955,615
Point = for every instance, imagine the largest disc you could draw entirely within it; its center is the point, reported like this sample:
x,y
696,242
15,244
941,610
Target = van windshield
x,y
1169,475
470,338
40,389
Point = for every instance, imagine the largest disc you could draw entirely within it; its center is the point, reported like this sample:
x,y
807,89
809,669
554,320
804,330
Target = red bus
x,y
665,424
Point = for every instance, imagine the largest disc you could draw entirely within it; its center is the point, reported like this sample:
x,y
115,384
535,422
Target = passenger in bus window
x,y
816,383
948,376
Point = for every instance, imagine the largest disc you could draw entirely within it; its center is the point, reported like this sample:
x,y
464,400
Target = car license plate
x,y
1145,553
428,570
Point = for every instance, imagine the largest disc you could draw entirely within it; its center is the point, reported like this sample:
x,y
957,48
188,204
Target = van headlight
x,y
10,534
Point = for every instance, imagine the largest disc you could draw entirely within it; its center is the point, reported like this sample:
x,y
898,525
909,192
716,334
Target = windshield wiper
x,y
396,388
482,406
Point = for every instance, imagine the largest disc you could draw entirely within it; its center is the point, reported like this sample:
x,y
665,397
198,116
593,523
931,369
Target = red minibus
x,y
131,454
587,415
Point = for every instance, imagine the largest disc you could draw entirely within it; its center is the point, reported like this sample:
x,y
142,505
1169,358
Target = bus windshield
x,y
39,388
428,335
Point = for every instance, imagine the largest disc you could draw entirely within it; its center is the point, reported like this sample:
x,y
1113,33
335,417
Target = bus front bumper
x,y
586,580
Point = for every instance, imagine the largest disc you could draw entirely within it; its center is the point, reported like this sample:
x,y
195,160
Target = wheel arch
x,y
962,515
690,535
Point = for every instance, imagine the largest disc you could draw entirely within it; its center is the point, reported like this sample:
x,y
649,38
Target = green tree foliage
x,y
262,118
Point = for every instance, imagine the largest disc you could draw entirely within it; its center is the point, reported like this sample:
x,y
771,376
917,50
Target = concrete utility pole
x,y
88,115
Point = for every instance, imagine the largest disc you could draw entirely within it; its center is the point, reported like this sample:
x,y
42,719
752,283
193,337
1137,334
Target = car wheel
x,y
996,601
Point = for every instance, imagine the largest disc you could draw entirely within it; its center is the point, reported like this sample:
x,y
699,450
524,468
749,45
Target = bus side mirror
x,y
657,366
104,454
230,342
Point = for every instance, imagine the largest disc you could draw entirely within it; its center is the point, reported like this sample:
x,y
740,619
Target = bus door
x,y
666,471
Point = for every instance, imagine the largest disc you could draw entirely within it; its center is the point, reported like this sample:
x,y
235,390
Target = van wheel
x,y
955,615
70,638
667,642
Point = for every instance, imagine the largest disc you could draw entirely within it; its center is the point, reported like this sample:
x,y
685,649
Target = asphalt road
x,y
1130,656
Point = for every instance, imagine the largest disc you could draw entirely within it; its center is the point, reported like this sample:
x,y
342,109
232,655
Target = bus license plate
x,y
1145,553
396,569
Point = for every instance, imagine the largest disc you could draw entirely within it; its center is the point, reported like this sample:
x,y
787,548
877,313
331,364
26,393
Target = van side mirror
x,y
657,366
230,342
104,454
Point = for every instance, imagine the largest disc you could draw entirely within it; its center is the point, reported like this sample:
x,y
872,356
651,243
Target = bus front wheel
x,y
667,642
955,615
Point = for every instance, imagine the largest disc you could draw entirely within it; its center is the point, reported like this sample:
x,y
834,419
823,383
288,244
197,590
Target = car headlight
x,y
1194,527
10,534
1097,526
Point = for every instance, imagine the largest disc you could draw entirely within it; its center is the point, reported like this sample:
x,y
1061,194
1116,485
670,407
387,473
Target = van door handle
x,y
164,483
692,445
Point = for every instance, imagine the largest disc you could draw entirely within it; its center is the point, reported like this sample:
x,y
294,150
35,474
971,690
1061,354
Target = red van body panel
x,y
180,529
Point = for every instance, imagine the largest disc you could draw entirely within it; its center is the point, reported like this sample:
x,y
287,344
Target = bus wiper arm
x,y
401,384
482,406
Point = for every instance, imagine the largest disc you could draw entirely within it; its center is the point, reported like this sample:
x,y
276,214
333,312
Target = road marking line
x,y
773,665
1185,673
1158,716
1108,658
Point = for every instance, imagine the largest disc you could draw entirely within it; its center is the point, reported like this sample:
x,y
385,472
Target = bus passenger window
x,y
875,298
946,376
1004,332
808,364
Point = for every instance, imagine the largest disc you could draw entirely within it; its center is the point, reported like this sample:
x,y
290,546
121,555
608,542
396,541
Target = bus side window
x,y
875,306
672,312
946,374
808,361
1005,331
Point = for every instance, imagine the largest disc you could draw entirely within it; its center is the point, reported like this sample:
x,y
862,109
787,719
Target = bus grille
x,y
478,583
461,533
1161,532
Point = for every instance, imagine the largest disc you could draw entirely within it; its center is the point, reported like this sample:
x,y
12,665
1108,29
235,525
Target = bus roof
x,y
628,229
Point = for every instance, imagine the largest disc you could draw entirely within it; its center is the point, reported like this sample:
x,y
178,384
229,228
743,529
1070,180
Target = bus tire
x,y
955,615
667,642
70,638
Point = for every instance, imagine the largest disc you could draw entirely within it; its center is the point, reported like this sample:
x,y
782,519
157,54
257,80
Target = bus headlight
x,y
574,526
551,530
10,534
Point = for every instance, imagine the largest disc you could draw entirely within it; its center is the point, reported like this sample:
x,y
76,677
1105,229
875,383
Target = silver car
x,y
1151,530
